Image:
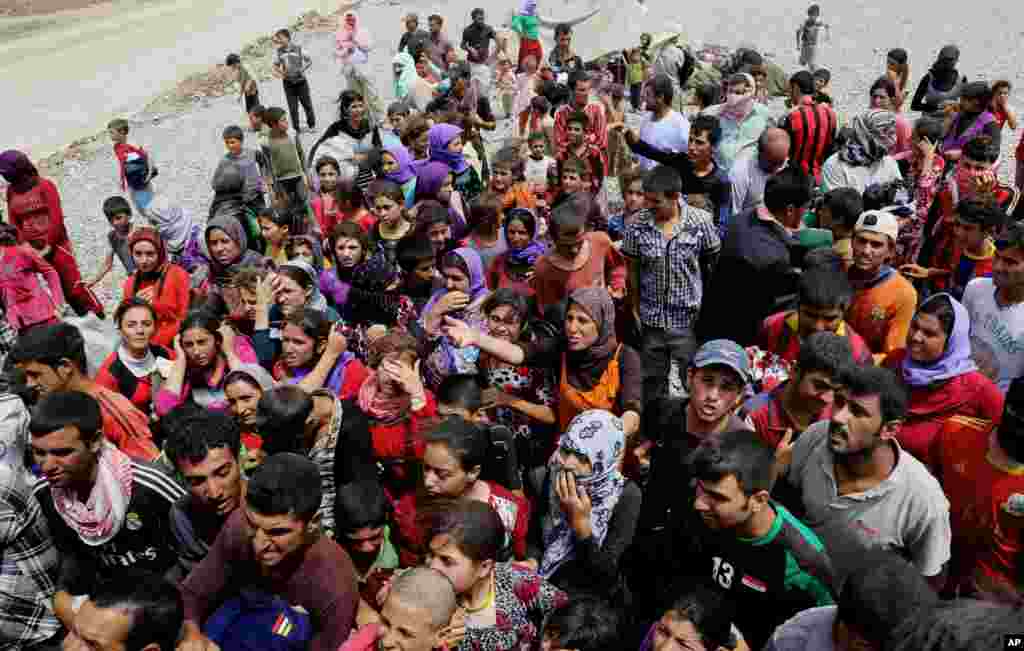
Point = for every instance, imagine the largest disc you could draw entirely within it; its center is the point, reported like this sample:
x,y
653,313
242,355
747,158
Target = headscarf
x,y
151,235
369,299
404,81
599,436
255,373
174,223
584,367
429,178
526,256
870,136
737,107
955,360
343,126
439,136
221,273
18,170
101,516
371,402
477,286
942,72
316,300
405,172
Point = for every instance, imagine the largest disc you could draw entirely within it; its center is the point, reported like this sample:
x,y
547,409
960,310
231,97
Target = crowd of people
x,y
750,376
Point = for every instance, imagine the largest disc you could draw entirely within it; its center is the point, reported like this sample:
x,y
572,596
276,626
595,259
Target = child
x,y
247,161
290,66
398,114
807,37
541,120
286,157
248,89
486,214
505,82
538,162
26,302
578,147
618,154
305,248
971,254
135,164
636,74
839,212
119,213
508,180
631,182
416,257
823,86
274,226
526,90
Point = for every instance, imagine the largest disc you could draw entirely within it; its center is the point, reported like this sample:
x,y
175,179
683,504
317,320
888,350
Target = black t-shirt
x,y
479,38
143,542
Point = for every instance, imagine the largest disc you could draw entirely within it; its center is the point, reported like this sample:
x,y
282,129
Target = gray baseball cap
x,y
724,352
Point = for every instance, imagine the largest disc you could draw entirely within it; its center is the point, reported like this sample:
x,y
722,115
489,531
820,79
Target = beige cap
x,y
878,221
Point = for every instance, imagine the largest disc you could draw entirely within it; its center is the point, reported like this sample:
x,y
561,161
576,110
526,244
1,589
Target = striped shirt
x,y
812,131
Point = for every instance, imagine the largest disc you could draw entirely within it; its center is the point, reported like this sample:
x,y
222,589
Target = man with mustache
x,y
204,447
858,489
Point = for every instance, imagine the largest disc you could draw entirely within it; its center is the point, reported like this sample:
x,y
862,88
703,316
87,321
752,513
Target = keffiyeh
x,y
869,138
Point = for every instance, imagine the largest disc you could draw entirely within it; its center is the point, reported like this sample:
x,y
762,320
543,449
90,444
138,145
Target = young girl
x,y
396,165
508,180
514,268
26,302
325,204
392,222
446,146
526,90
486,214
505,82
274,226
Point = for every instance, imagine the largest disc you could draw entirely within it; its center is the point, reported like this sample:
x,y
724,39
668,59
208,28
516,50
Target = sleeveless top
x,y
936,96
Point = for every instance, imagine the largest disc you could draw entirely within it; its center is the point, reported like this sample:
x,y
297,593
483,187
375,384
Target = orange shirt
x,y
881,314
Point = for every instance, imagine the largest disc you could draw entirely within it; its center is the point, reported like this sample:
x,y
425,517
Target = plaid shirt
x,y
29,564
670,275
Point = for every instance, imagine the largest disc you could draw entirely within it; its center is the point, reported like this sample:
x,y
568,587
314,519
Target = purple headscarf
x,y
439,136
955,360
404,159
18,170
527,255
477,285
429,179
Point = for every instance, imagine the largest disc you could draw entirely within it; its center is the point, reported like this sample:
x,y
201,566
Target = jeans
x,y
295,92
659,348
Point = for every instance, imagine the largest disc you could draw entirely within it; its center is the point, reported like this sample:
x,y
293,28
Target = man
x,y
275,535
29,564
333,434
476,41
204,448
563,60
437,43
806,397
133,611
705,184
664,128
811,126
597,130
758,246
750,173
672,429
413,33
996,308
979,465
768,562
106,511
672,250
53,359
742,117
883,300
676,62
823,294
859,489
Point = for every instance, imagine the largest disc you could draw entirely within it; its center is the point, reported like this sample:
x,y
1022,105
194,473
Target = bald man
x,y
751,171
416,616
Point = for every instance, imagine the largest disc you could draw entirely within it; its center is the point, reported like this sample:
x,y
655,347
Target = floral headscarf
x,y
870,136
599,436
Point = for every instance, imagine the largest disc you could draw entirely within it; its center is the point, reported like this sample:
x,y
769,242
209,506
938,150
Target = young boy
x,y
839,212
135,164
417,258
538,162
119,213
286,157
631,182
274,226
542,121
398,113
971,254
578,147
508,179
823,86
248,161
290,66
248,89
807,37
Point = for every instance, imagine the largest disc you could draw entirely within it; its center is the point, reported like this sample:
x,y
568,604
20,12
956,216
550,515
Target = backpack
x,y
256,621
136,170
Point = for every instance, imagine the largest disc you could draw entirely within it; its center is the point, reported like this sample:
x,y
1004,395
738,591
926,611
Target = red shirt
x,y
38,216
780,335
769,418
812,128
170,300
124,425
986,505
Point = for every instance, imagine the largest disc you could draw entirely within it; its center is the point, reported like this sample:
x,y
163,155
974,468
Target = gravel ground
x,y
186,142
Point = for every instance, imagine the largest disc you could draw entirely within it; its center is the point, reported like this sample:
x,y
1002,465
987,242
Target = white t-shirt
x,y
669,134
536,171
997,333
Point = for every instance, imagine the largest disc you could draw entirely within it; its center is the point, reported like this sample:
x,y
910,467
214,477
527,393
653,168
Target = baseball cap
x,y
878,221
726,353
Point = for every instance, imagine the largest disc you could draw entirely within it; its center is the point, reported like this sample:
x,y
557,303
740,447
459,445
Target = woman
x,y
924,175
227,251
159,282
742,118
973,120
291,289
182,236
897,70
403,68
863,158
435,181
883,95
353,53
514,268
397,405
940,86
446,147
205,352
137,368
461,297
586,510
396,166
453,458
33,205
596,371
243,388
942,379
347,246
388,202
350,138
314,355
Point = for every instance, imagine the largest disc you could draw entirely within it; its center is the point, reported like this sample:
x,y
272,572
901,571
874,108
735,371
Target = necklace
x,y
488,600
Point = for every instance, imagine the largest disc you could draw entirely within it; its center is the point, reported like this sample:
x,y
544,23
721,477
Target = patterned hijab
x,y
598,436
870,136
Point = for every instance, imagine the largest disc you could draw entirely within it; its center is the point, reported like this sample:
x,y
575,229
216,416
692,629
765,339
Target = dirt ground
x,y
42,7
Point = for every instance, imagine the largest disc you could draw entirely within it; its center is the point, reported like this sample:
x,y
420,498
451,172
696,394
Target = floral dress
x,y
523,600
537,385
